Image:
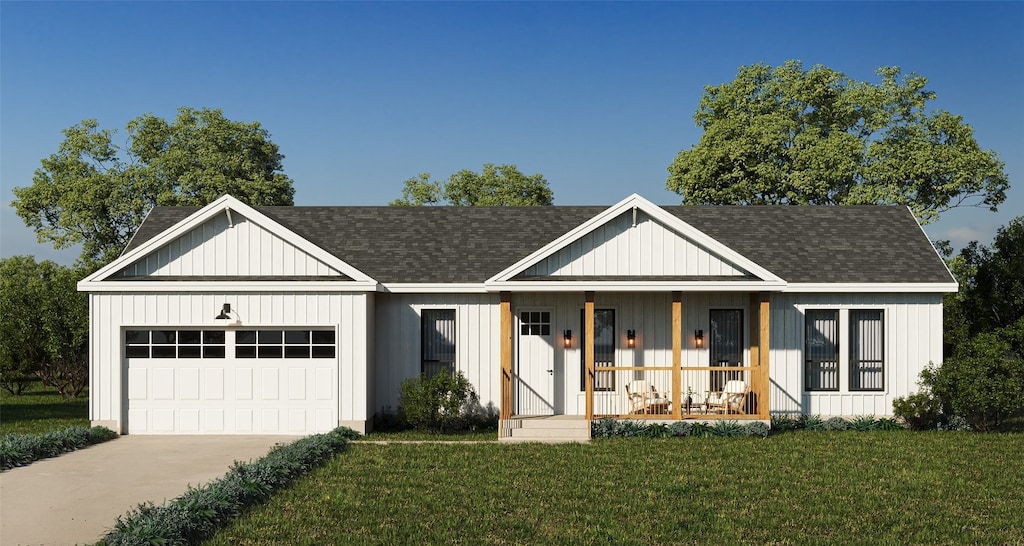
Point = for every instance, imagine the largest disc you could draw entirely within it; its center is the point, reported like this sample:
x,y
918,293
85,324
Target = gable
x,y
634,244
229,245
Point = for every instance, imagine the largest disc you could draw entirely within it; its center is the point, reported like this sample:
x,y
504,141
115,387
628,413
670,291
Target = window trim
x,y
452,365
851,370
838,352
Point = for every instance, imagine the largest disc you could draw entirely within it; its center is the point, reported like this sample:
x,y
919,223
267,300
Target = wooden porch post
x,y
588,352
764,396
505,411
677,354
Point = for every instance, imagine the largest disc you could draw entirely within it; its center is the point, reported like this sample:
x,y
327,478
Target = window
x,y
821,350
863,360
437,341
535,323
174,343
284,344
867,360
604,349
726,345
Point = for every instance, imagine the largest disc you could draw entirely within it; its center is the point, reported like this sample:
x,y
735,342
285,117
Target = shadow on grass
x,y
77,409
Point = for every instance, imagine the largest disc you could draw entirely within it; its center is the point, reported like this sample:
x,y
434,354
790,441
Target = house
x,y
234,319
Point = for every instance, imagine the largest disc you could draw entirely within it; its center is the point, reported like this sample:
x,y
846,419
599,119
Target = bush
x,y
811,422
195,515
920,411
888,424
727,429
782,422
836,423
984,383
757,428
863,423
681,428
437,403
22,449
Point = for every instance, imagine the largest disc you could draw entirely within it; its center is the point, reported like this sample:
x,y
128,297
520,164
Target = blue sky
x,y
598,97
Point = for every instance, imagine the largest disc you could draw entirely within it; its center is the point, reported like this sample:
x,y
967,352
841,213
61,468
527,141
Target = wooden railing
x,y
704,392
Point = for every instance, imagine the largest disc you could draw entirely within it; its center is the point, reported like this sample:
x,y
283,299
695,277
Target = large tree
x,y
95,192
44,325
501,185
785,135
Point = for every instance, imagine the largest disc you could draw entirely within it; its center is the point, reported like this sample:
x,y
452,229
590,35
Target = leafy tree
x,y
501,185
95,192
44,325
785,135
991,283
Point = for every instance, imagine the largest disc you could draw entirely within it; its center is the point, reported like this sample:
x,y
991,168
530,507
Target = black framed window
x,y
867,350
726,345
285,343
174,343
437,341
535,323
821,350
604,349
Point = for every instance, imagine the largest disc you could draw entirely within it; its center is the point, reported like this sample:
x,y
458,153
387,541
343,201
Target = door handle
x,y
552,372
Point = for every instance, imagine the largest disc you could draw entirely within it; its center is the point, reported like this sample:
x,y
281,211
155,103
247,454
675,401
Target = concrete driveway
x,y
75,498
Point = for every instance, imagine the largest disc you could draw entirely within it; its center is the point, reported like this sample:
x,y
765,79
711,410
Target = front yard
x,y
800,487
41,409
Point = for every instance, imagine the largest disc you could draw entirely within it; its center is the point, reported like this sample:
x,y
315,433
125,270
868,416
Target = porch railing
x,y
704,392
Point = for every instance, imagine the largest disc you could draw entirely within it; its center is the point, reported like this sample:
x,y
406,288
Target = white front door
x,y
534,383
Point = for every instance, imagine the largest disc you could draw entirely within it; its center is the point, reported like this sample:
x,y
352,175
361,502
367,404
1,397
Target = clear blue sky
x,y
598,97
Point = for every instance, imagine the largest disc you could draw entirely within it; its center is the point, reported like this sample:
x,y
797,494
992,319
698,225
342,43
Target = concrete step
x,y
544,440
549,423
550,433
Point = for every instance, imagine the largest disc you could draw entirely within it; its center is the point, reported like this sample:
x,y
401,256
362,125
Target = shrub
x,y
811,422
889,424
782,422
727,429
681,428
920,411
22,449
863,423
702,430
756,428
437,403
658,430
196,514
836,423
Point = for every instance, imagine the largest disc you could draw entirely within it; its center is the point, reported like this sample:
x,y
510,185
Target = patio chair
x,y
645,399
730,399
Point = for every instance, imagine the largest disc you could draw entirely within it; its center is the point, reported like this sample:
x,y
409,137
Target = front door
x,y
534,380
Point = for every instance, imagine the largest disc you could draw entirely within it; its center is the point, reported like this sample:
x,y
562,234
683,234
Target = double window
x,y
823,358
437,341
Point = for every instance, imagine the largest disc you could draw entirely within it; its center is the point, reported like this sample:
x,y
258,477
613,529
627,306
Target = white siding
x,y
913,339
215,249
619,248
111,313
398,342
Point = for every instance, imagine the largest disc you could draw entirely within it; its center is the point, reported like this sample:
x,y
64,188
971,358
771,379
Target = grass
x,y
798,488
41,409
486,435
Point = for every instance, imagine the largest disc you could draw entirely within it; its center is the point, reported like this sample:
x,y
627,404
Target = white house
x,y
233,319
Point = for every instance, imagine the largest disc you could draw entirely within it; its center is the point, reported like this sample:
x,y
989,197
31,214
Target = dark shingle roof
x,y
864,244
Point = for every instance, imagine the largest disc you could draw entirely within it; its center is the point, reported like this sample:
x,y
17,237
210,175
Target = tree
x,y
96,193
501,185
44,327
786,135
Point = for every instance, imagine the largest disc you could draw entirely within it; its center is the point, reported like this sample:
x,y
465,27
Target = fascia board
x,y
617,286
433,288
872,287
655,212
211,210
228,286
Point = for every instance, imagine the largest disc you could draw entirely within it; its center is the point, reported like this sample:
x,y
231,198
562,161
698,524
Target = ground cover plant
x,y
41,409
803,487
22,449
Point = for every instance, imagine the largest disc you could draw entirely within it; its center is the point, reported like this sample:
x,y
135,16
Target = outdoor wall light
x,y
698,338
631,338
567,338
225,316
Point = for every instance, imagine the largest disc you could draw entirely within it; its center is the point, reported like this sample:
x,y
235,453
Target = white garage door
x,y
247,381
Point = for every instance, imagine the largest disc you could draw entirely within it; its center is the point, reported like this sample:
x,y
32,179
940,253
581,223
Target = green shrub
x,y
836,423
782,422
658,430
886,423
681,428
195,515
727,429
437,403
811,422
757,428
863,423
920,411
22,449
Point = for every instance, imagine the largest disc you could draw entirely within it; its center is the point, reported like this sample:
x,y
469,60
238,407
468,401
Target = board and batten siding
x,y
216,249
111,313
619,248
477,351
913,339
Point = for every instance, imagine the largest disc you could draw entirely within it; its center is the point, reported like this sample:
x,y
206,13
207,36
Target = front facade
x,y
292,320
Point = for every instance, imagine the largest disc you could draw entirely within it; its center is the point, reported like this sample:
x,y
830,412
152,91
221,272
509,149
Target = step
x,y
544,440
550,433
549,423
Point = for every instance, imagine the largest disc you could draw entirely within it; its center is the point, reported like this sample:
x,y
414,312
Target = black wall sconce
x,y
631,338
698,338
567,338
225,316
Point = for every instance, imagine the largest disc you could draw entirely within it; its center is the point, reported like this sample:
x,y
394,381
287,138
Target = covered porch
x,y
685,377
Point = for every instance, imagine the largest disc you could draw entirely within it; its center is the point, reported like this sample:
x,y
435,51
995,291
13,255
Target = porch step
x,y
551,429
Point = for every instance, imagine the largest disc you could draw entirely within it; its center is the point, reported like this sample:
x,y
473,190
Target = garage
x,y
231,381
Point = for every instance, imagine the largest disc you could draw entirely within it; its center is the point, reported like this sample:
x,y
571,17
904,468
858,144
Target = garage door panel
x,y
163,420
138,420
243,420
269,388
324,384
213,384
187,383
188,420
162,383
243,383
296,383
269,420
138,383
297,420
214,420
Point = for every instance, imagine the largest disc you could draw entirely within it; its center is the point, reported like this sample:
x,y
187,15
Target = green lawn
x,y
801,487
41,409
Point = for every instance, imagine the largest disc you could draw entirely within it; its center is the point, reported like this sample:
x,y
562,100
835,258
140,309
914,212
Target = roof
x,y
800,244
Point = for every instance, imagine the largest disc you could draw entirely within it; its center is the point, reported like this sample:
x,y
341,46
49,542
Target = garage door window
x,y
174,344
284,344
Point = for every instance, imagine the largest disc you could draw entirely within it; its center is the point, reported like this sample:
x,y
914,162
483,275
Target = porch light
x,y
224,317
698,338
225,312
567,338
631,338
